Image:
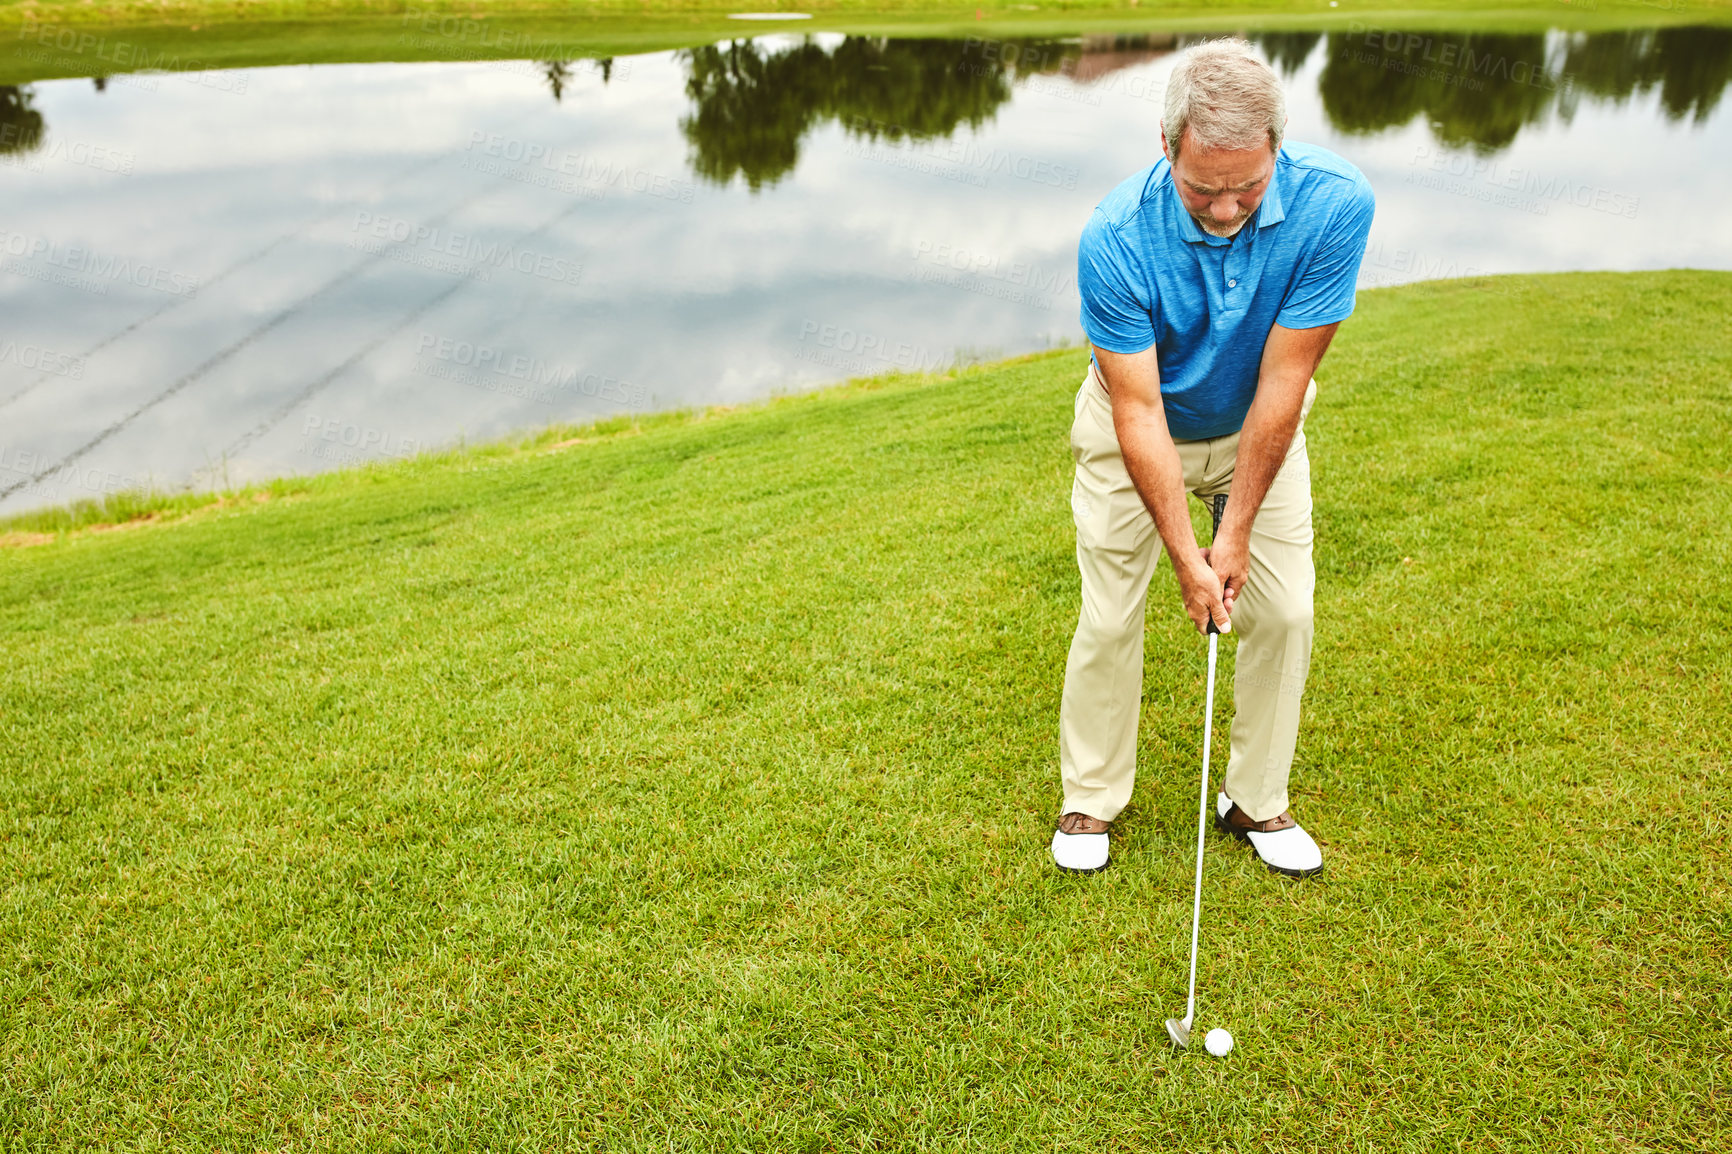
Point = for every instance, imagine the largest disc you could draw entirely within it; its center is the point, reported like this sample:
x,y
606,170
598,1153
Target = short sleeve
x,y
1117,300
1323,293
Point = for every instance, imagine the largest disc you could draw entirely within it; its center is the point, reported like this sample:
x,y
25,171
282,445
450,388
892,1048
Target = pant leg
x,y
1272,617
1116,550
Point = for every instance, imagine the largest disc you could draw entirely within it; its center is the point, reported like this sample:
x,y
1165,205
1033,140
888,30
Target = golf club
x,y
1179,1029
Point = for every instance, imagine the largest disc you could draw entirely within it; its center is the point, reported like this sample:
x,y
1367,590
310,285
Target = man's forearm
x,y
1290,356
1152,460
1263,443
1146,446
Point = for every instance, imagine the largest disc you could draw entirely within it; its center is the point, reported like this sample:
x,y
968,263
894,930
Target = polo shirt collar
x,y
1271,210
1188,230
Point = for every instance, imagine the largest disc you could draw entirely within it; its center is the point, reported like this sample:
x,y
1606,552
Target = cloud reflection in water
x,y
471,257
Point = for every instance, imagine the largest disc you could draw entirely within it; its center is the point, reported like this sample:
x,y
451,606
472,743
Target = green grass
x,y
41,39
158,11
689,788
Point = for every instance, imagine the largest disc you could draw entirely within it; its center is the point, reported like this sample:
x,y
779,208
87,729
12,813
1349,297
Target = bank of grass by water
x,y
689,788
41,39
160,11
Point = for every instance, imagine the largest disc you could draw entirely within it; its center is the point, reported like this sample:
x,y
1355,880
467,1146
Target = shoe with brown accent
x,y
1079,844
1279,842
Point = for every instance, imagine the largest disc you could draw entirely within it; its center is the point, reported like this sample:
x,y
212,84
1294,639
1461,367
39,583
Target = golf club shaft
x,y
1202,823
1217,507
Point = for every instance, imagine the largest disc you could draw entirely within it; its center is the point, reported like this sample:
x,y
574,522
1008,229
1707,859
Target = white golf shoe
x,y
1279,842
1079,844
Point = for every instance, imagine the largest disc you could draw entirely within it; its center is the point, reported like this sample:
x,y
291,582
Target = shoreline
x,y
58,40
130,507
150,505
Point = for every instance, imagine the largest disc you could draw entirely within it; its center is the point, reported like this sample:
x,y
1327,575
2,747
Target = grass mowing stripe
x,y
689,788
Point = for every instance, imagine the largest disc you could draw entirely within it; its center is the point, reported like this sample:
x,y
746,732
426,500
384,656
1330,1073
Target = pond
x,y
216,277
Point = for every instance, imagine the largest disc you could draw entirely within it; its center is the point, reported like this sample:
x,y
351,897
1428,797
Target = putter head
x,y
1179,1031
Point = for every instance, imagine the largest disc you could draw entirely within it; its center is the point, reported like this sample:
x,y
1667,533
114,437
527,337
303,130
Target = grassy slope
x,y
689,789
41,38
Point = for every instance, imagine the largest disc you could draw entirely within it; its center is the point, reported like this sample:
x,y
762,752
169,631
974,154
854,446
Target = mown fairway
x,y
689,788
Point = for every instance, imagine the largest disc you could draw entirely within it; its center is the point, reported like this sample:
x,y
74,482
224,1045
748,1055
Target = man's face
x,y
1220,187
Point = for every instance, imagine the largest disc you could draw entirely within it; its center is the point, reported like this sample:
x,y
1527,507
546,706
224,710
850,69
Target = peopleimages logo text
x,y
484,146
101,267
483,366
964,154
128,57
42,359
1517,181
1460,56
839,346
79,152
992,266
463,247
364,439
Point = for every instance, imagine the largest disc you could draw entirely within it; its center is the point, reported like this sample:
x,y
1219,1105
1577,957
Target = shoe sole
x,y
1241,835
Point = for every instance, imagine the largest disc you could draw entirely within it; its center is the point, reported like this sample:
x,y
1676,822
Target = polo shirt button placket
x,y
1237,251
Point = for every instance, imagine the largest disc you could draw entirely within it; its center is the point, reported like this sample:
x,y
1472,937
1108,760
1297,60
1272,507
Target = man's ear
x,y
1165,151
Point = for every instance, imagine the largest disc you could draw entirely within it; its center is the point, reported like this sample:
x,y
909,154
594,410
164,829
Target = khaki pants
x,y
1116,550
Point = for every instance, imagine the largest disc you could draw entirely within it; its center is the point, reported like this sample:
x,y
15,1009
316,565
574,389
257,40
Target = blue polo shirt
x,y
1149,276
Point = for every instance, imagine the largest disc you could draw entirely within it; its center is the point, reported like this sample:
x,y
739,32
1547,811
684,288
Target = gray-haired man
x,y
1212,284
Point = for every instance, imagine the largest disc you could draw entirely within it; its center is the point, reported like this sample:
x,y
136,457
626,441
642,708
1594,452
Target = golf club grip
x,y
1217,507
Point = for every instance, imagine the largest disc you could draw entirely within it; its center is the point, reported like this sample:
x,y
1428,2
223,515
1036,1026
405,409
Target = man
x,y
1212,283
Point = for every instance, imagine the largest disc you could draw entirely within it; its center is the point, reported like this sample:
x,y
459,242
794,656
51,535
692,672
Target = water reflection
x,y
753,102
1478,91
1691,67
197,287
20,122
1286,51
558,74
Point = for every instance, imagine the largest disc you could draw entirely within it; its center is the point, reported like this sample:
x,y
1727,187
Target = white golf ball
x,y
1218,1042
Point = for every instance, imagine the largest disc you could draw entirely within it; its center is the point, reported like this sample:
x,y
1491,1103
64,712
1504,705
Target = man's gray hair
x,y
1227,98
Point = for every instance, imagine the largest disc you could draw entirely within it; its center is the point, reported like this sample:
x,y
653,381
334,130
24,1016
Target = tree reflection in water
x,y
1287,51
752,104
558,74
20,122
1691,67
1478,91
